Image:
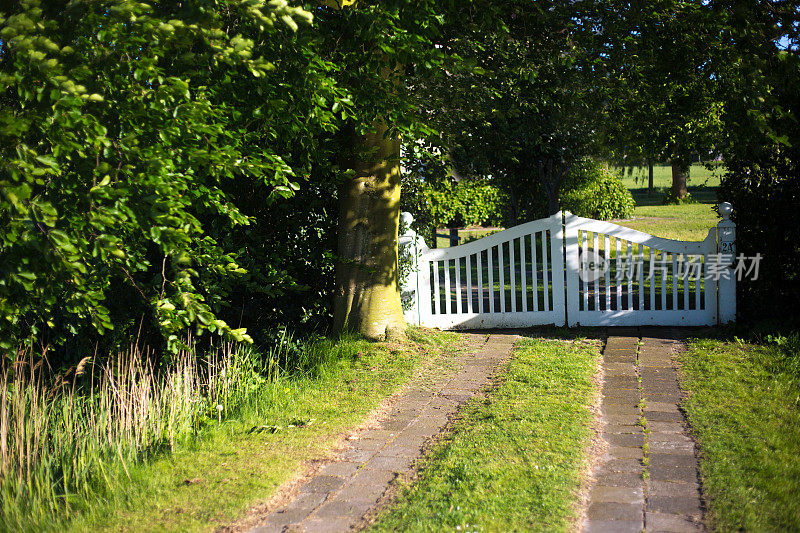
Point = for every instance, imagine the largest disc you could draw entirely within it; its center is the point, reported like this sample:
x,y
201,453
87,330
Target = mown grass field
x,y
743,406
514,459
685,222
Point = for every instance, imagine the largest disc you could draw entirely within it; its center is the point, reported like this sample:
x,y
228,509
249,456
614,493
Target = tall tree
x,y
374,45
527,100
664,104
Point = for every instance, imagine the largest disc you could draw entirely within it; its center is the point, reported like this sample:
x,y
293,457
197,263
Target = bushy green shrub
x,y
592,190
456,204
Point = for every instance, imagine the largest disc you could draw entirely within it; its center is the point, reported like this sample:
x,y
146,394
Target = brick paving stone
x,y
620,429
340,468
396,424
323,484
659,373
614,511
269,528
378,434
371,445
663,397
665,427
357,456
371,476
329,524
392,463
354,492
623,420
409,440
658,522
291,516
662,407
619,369
619,409
673,488
341,508
660,416
619,479
613,526
658,436
602,493
620,358
393,450
625,465
308,499
625,452
661,473
624,439
682,505
673,461
622,382
673,447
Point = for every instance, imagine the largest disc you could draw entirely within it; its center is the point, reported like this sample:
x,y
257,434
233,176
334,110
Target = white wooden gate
x,y
566,269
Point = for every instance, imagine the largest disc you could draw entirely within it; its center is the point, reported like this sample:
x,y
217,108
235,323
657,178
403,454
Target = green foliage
x,y
121,132
592,190
454,204
762,155
669,199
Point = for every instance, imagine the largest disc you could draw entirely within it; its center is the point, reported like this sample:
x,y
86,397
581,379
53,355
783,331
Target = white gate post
x,y
726,245
409,285
571,268
557,267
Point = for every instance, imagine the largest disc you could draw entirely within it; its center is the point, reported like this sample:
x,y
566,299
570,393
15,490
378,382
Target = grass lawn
x,y
699,177
685,222
744,410
514,460
213,480
465,234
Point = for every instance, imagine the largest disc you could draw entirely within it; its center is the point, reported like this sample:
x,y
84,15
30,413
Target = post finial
x,y
725,209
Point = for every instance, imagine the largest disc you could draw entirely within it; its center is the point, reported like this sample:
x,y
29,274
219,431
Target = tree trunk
x,y
513,208
367,298
649,177
551,183
679,171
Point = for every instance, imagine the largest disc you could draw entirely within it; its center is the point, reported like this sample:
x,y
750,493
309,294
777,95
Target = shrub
x,y
448,203
593,191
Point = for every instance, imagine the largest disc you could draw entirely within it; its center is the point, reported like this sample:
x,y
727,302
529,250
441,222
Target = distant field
x,y
701,181
686,222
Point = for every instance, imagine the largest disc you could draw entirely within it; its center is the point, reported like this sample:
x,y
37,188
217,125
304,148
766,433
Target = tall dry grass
x,y
66,438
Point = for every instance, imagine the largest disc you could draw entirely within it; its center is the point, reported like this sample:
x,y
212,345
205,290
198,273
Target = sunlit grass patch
x,y
744,409
513,461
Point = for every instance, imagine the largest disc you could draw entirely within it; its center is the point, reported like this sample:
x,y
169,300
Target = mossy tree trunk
x,y
679,171
367,298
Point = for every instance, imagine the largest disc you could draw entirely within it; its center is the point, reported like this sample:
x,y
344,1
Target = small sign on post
x,y
726,247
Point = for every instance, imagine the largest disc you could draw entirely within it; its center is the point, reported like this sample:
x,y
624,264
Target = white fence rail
x,y
570,270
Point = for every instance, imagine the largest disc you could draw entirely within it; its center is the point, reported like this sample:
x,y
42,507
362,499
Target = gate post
x,y
412,271
571,268
726,246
